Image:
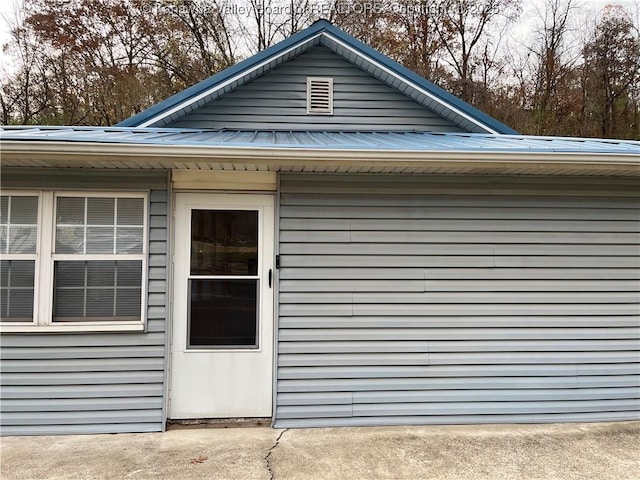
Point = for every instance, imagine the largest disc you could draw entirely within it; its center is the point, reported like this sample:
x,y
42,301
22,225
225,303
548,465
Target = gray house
x,y
318,237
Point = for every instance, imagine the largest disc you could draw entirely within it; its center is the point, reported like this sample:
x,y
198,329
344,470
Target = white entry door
x,y
222,339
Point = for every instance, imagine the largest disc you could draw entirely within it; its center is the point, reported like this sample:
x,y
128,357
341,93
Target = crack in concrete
x,y
267,457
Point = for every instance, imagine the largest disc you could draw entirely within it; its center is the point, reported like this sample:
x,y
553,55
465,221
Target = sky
x,y
7,8
522,30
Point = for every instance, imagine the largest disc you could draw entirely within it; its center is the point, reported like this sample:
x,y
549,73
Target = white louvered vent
x,y
320,95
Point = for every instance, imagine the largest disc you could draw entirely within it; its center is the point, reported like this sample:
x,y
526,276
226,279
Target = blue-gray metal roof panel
x,y
320,140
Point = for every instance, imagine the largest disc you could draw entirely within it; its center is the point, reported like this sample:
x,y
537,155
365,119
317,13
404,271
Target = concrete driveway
x,y
568,451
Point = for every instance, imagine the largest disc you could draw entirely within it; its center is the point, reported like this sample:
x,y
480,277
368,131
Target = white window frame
x,y
45,258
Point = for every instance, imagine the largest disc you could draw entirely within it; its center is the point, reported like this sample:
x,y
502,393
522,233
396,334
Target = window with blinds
x,y
98,259
18,239
72,259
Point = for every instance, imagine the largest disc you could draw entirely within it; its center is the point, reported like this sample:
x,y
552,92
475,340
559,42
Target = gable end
x,y
462,115
279,100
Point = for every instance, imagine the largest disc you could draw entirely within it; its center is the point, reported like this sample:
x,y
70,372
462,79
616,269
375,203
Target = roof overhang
x,y
96,155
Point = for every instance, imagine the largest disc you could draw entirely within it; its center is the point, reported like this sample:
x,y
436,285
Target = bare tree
x,y
419,45
554,57
22,90
210,29
461,28
612,74
99,61
270,21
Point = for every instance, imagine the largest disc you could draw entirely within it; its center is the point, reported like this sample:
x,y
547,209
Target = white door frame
x,y
197,377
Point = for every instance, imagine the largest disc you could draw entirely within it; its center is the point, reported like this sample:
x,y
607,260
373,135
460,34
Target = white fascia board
x,y
165,156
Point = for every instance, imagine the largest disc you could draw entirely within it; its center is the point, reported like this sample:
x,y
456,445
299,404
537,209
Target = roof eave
x,y
109,155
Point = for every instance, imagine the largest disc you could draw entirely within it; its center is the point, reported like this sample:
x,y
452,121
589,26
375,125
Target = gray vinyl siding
x,y
91,382
426,300
277,100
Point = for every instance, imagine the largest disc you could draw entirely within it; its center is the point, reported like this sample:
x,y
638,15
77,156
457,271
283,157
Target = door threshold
x,y
218,423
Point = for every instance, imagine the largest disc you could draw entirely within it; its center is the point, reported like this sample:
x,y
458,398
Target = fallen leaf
x,y
200,459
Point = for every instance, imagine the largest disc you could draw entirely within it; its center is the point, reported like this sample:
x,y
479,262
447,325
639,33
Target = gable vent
x,y
320,95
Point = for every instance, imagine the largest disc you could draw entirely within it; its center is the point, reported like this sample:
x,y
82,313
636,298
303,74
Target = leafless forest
x,y
96,62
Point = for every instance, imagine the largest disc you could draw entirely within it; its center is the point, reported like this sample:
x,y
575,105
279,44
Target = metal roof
x,y
321,140
324,33
315,151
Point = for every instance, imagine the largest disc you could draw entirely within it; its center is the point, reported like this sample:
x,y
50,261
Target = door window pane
x,y
224,242
223,313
